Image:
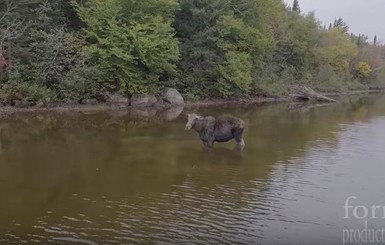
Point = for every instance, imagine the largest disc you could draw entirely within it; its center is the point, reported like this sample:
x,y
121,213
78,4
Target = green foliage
x,y
84,81
378,79
71,50
216,36
327,79
295,43
46,58
21,88
336,50
197,30
235,74
341,25
236,35
363,70
272,85
134,38
296,6
360,40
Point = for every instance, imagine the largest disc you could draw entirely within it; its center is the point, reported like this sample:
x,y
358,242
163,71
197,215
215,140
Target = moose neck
x,y
198,125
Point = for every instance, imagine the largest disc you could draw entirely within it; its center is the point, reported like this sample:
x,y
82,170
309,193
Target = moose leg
x,y
208,144
238,136
207,134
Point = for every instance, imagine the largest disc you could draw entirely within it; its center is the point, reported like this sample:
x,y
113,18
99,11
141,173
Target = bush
x,y
20,87
328,80
378,80
13,91
83,81
235,74
271,85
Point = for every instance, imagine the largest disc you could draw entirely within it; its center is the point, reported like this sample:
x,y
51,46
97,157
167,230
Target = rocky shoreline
x,y
148,105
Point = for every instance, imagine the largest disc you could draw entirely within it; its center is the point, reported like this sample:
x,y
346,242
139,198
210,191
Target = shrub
x,y
20,87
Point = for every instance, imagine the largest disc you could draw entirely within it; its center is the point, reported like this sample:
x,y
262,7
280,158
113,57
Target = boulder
x,y
117,99
172,96
24,104
159,104
143,100
90,102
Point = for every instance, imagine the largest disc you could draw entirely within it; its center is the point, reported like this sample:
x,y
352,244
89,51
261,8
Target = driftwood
x,y
306,93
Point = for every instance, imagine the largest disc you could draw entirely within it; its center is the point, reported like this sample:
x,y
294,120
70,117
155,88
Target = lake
x,y
307,175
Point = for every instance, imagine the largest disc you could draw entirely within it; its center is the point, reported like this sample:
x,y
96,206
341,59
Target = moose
x,y
221,129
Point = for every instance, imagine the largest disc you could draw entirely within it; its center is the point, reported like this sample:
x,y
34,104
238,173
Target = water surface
x,y
111,178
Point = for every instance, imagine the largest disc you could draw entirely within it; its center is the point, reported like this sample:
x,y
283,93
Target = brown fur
x,y
222,129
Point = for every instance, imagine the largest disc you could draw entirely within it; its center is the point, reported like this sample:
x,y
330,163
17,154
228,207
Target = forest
x,y
73,50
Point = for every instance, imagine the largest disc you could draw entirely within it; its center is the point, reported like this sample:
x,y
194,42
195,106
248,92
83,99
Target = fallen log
x,y
306,93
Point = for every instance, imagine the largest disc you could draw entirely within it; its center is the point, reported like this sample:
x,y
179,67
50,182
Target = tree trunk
x,y
306,93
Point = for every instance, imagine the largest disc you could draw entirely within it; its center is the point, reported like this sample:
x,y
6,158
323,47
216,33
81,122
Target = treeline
x,y
63,50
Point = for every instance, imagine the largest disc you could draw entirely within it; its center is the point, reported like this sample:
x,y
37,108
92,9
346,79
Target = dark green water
x,y
106,178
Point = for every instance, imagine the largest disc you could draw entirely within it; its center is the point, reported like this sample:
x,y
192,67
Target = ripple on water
x,y
276,200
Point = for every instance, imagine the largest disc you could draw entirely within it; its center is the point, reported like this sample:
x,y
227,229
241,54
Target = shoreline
x,y
190,104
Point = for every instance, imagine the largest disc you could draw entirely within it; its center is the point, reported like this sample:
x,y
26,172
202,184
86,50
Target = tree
x,y
215,34
11,28
296,7
294,48
236,35
132,40
341,25
71,50
44,53
196,25
235,74
362,40
363,70
336,50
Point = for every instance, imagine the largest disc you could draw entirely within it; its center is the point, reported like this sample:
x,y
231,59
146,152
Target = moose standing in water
x,y
220,129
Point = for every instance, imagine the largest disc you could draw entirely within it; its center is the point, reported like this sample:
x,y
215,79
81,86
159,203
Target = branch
x,y
47,70
306,93
12,28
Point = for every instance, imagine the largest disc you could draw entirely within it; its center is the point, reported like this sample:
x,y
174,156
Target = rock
x,y
159,104
90,102
117,99
23,104
143,100
40,104
172,96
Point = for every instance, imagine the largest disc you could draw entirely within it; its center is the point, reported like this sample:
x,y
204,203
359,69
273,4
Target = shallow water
x,y
110,178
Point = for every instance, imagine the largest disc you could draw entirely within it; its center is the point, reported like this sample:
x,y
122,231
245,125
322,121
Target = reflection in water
x,y
105,177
